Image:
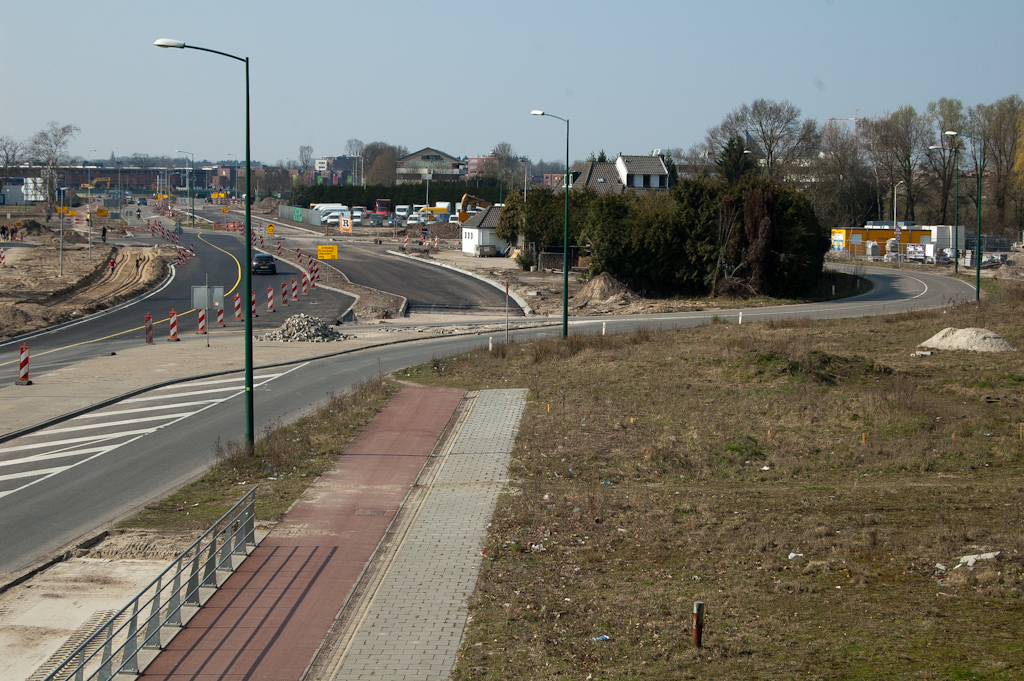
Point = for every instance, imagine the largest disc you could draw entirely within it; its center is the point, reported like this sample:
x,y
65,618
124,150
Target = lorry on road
x,y
402,211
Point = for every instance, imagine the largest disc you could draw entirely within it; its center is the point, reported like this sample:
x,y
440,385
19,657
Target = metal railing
x,y
116,646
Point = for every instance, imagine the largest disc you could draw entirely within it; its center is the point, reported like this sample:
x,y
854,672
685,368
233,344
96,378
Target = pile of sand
x,y
267,206
975,340
603,288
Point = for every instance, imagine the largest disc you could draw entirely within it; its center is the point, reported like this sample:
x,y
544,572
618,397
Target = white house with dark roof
x,y
626,173
479,234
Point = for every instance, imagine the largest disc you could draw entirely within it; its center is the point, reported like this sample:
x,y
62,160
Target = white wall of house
x,y
481,236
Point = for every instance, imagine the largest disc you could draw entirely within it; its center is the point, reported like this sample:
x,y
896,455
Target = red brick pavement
x,y
267,620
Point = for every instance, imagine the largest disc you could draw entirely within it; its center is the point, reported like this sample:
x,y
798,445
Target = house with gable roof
x,y
626,173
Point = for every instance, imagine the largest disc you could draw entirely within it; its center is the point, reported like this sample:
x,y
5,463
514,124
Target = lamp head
x,y
951,133
168,42
537,112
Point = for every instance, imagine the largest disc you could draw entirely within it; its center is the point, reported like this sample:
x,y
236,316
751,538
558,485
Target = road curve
x,y
138,452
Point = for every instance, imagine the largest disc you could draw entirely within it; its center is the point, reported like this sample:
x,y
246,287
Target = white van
x,y
402,211
325,208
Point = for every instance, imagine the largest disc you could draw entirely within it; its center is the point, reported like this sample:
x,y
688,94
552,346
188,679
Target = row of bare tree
x,y
849,172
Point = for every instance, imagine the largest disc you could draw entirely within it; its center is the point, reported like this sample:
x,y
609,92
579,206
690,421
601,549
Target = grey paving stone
x,y
416,621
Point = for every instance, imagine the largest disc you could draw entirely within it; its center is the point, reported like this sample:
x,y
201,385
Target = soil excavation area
x,y
45,282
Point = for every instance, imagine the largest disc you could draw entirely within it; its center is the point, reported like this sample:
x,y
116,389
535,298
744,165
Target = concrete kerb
x,y
527,310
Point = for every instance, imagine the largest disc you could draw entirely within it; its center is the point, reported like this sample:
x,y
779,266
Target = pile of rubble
x,y
302,328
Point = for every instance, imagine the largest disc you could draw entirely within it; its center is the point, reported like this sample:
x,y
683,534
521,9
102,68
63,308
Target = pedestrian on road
x,y
104,234
3,233
138,262
112,264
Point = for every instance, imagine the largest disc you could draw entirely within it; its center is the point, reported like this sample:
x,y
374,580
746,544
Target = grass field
x,y
659,468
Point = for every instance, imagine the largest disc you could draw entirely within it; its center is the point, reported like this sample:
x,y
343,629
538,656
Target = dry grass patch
x,y
657,468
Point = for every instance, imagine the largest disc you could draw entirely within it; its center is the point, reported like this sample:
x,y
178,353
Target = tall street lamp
x,y
250,435
565,236
88,209
896,227
956,203
977,251
191,184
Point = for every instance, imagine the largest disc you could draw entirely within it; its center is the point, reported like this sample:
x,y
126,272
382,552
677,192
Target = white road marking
x,y
137,410
29,474
111,424
53,455
76,440
218,382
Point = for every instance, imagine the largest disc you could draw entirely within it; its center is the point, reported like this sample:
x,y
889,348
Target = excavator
x,y
470,201
98,180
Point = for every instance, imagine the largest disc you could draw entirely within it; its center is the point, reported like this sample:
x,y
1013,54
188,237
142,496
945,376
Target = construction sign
x,y
326,252
101,213
223,210
345,225
270,228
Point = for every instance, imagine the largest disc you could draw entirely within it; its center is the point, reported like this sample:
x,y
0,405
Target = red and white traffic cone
x,y
279,248
238,307
149,329
252,303
23,367
202,320
305,284
220,316
174,326
270,299
284,293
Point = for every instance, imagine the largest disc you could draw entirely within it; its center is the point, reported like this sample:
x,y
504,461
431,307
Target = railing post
x,y
192,595
225,550
174,602
103,674
130,658
210,566
153,624
250,519
80,673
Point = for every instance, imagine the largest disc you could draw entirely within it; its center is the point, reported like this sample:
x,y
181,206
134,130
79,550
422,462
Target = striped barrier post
x,y
174,326
3,258
298,255
312,273
220,316
284,293
238,307
252,303
436,241
270,299
202,320
261,241
23,367
149,329
279,249
191,250
295,289
405,244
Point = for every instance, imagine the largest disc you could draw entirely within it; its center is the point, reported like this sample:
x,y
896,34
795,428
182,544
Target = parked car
x,y
357,213
454,219
414,219
376,219
264,262
143,201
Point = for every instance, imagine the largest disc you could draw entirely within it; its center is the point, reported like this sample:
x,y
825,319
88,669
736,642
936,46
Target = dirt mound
x,y
603,288
1009,273
303,329
34,228
13,320
266,207
974,340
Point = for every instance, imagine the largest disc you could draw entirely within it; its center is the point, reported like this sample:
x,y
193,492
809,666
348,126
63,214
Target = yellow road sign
x,y
326,252
72,212
101,213
17,224
270,228
223,210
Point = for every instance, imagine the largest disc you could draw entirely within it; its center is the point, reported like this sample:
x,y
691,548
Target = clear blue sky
x,y
462,75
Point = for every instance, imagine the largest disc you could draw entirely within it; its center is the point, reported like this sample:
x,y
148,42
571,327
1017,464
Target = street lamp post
x,y
896,227
191,184
565,235
88,208
250,435
977,250
956,204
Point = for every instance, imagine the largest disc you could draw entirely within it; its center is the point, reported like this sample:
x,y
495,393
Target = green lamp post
x,y
977,250
565,237
250,428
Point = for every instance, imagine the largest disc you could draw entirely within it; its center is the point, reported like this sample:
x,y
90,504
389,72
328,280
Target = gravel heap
x,y
302,328
974,340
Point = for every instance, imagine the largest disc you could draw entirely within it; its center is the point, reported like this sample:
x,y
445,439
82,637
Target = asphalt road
x,y
219,261
114,461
